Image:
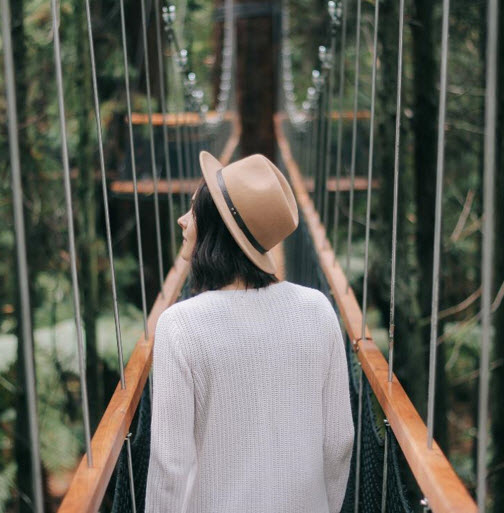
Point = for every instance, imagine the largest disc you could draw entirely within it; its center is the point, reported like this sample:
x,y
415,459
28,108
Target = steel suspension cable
x,y
178,137
368,223
359,440
315,129
182,8
385,466
340,124
349,249
396,192
311,131
327,162
152,149
194,136
133,169
105,196
186,130
319,166
488,245
354,139
22,263
227,59
180,120
165,130
335,15
130,468
437,225
370,169
169,18
71,234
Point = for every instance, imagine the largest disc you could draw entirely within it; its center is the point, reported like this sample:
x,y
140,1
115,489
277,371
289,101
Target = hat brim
x,y
209,167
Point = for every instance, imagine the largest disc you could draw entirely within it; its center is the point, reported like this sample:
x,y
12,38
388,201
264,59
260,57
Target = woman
x,y
251,407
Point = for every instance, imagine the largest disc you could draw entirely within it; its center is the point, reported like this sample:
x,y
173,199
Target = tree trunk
x,y
406,356
256,81
22,450
426,73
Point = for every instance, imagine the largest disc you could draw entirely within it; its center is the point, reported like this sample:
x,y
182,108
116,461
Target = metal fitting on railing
x,y
425,503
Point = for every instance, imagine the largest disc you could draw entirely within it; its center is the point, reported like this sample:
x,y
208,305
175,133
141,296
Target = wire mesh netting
x,y
303,267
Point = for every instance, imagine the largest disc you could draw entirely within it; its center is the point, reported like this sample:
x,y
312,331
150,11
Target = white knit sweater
x,y
251,406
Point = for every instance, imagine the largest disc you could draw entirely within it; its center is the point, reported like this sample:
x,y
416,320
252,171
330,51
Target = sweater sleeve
x,y
338,422
172,448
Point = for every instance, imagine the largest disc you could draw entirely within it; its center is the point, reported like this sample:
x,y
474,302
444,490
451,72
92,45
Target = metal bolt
x,y
172,10
425,503
322,52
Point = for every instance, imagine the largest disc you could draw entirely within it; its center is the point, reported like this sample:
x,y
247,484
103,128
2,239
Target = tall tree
x,y
86,215
426,75
409,350
256,78
24,475
22,449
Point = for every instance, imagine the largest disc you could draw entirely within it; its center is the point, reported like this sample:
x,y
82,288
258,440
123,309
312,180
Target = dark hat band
x,y
236,214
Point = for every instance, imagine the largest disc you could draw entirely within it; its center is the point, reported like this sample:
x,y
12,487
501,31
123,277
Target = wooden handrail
x,y
193,118
177,118
89,484
346,115
189,185
432,470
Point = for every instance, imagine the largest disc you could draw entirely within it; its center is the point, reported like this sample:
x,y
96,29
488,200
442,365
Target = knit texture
x,y
251,407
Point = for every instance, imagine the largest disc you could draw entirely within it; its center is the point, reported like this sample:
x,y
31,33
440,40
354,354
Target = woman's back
x,y
254,386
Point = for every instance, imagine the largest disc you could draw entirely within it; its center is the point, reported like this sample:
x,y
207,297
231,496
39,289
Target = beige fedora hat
x,y
255,202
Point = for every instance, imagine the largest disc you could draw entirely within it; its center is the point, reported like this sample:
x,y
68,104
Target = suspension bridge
x,y
388,427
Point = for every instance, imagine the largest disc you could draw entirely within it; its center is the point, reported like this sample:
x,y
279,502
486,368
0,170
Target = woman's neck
x,y
236,285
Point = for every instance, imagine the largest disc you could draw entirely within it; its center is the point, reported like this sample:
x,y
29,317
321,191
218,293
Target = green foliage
x,y
462,196
46,216
58,388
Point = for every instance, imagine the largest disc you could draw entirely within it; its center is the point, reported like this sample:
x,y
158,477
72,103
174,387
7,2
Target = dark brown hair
x,y
217,260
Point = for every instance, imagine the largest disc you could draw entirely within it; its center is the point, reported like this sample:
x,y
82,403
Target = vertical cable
x,y
316,141
178,142
359,442
195,138
320,167
349,248
130,473
396,192
370,167
105,198
315,135
228,56
22,264
488,245
437,226
165,131
186,120
310,131
328,145
151,379
152,149
71,235
133,169
385,466
354,140
340,124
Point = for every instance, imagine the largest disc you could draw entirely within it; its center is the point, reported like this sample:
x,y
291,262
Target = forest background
x,y
200,28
